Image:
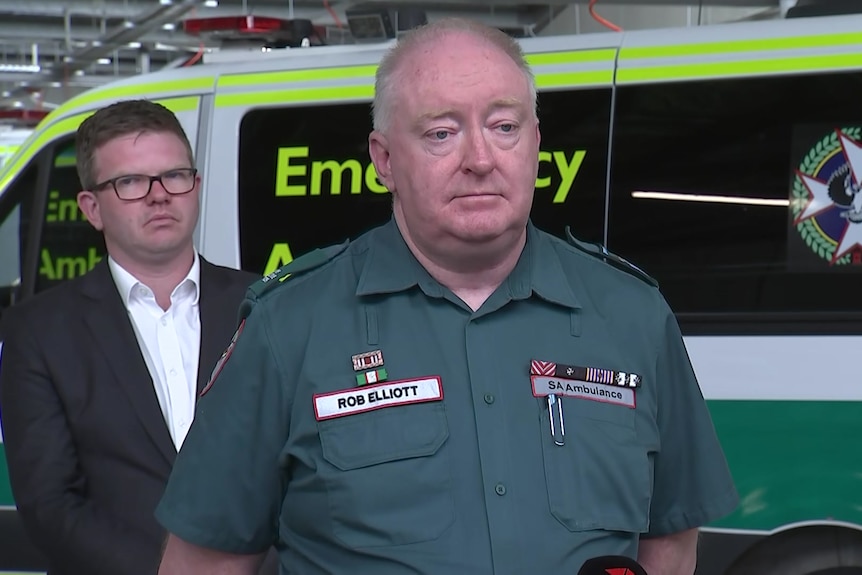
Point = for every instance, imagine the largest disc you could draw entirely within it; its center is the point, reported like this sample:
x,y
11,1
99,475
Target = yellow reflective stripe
x,y
736,46
740,68
366,92
142,90
563,79
295,95
289,76
66,126
57,129
553,58
181,104
368,71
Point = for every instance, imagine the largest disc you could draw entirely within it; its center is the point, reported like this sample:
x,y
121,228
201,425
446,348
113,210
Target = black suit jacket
x,y
88,449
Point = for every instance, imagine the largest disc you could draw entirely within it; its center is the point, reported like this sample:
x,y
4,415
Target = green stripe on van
x,y
290,76
368,71
575,57
270,97
204,84
6,499
67,126
566,79
736,46
823,62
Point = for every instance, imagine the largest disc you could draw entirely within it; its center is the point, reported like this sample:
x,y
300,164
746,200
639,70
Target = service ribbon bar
x,y
375,376
587,374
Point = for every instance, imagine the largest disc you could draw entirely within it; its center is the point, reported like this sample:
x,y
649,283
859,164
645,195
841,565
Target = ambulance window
x,y
306,179
573,162
706,197
69,245
14,222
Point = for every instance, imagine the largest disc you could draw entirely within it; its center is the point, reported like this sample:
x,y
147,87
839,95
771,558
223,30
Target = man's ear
x,y
378,149
89,204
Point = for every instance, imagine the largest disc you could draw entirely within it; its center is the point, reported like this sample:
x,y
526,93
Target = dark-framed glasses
x,y
136,186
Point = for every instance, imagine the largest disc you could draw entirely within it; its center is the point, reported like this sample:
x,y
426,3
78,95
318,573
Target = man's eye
x,y
441,135
506,128
129,180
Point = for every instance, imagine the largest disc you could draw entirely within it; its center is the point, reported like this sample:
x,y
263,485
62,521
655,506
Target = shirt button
x,y
164,321
173,372
500,489
489,398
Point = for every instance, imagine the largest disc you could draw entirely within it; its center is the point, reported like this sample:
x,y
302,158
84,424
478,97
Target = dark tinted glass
x,y
743,140
69,246
306,178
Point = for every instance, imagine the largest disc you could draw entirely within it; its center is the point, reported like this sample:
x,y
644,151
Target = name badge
x,y
379,396
544,386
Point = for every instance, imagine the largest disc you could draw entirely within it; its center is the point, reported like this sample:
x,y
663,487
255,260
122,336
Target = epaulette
x,y
599,251
313,259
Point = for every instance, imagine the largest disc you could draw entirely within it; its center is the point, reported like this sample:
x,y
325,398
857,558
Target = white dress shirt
x,y
169,340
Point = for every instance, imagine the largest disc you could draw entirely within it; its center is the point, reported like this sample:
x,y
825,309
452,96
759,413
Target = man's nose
x,y
478,152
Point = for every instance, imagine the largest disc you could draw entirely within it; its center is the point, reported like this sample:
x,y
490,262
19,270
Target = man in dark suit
x,y
99,376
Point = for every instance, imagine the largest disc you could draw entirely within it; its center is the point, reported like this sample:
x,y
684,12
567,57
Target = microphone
x,y
611,565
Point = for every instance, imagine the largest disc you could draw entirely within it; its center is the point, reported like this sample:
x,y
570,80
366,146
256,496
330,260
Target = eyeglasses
x,y
136,186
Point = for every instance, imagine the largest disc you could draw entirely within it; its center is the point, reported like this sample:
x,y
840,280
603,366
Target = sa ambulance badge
x,y
223,359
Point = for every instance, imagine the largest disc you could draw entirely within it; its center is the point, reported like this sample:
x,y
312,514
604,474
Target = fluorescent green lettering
x,y
336,171
544,182
284,170
69,211
279,256
93,258
371,181
568,171
53,208
70,267
47,266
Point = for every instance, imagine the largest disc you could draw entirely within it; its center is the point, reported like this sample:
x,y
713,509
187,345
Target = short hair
x,y
390,65
121,119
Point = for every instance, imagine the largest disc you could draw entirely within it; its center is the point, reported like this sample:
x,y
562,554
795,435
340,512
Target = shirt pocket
x,y
601,478
388,480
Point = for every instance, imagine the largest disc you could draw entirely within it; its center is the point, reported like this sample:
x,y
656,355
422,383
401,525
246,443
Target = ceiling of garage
x,y
51,50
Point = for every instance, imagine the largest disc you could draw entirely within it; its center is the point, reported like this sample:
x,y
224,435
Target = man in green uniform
x,y
455,391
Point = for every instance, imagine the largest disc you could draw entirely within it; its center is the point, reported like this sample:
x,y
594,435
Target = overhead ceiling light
x,y
166,2
103,61
134,45
211,3
169,26
22,68
716,199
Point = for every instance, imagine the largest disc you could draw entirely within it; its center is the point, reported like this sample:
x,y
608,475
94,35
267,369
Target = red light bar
x,y
235,24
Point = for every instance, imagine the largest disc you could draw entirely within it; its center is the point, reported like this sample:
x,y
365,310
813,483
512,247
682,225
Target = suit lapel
x,y
108,320
218,311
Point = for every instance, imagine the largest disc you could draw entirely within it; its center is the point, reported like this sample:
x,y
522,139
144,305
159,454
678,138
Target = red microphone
x,y
611,565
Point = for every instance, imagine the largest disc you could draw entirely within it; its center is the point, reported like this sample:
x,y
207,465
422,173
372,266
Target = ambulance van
x,y
725,161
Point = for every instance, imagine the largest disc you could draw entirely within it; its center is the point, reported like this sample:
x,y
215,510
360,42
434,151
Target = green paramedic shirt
x,y
457,472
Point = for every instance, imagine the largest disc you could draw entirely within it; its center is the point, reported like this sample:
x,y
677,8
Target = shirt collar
x,y
540,271
126,282
391,267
